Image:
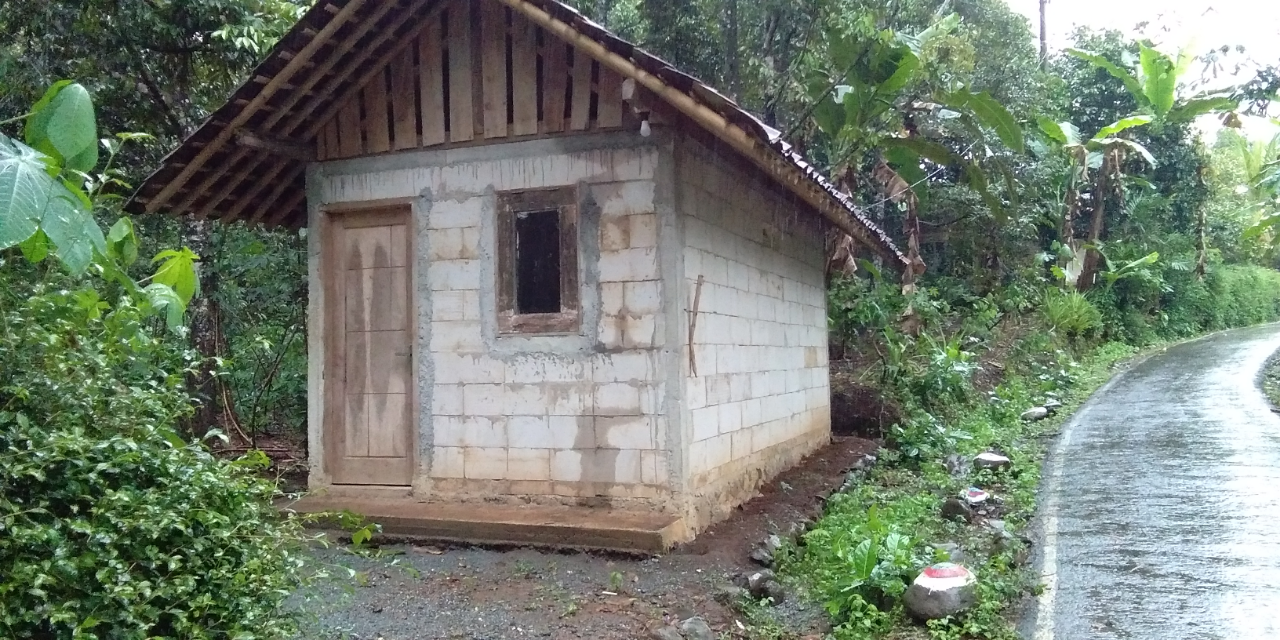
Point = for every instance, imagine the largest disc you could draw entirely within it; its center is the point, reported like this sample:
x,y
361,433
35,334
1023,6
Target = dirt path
x,y
412,592
1161,500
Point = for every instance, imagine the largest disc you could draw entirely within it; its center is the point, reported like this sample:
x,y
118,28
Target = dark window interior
x,y
537,262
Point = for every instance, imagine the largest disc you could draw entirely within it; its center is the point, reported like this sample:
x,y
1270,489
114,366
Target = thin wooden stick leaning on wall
x,y
693,325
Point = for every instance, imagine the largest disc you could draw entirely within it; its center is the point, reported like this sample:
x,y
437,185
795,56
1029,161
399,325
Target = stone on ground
x,y
991,460
696,628
665,633
956,509
941,590
1035,413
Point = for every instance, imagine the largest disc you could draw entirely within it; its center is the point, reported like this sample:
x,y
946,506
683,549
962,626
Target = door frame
x,y
333,370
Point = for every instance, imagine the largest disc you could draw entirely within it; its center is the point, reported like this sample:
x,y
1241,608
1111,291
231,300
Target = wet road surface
x,y
1161,505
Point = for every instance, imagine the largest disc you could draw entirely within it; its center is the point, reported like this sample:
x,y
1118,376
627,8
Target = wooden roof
x,y
341,83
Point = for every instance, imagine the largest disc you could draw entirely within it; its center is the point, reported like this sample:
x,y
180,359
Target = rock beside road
x,y
696,628
956,509
1035,413
991,460
941,590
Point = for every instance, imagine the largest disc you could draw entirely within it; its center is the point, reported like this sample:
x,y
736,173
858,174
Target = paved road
x,y
1161,511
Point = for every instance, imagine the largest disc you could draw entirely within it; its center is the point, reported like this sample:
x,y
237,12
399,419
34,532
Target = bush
x,y
110,525
1069,313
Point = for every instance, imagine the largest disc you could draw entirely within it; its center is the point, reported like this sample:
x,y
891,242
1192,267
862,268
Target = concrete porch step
x,y
568,527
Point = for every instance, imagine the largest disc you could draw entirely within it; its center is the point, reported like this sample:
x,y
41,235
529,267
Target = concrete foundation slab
x,y
550,526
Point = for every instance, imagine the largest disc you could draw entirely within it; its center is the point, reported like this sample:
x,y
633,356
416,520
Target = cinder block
x,y
612,298
624,198
446,400
528,464
641,332
485,463
629,265
617,398
447,214
706,422
730,417
568,399
453,275
653,467
643,297
457,337
644,230
482,399
615,233
535,368
566,466
523,399
529,432
628,432
572,432
459,243
446,462
695,392
449,431
455,368
454,306
480,431
627,366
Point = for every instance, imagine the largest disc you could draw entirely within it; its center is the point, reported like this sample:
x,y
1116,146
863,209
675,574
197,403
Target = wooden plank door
x,y
369,394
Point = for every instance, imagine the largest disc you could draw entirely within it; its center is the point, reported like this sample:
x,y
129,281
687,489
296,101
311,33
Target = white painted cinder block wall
x,y
760,399
550,419
614,414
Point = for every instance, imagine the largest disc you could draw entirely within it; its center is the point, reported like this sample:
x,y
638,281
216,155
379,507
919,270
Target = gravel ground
x,y
413,592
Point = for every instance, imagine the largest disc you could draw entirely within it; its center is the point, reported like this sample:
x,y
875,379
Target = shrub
x,y
1070,313
110,525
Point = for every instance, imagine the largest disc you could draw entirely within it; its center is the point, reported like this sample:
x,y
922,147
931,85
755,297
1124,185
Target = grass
x,y
903,495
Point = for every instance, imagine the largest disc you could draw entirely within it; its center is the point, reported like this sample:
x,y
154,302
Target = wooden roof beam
x,y
305,88
300,151
258,101
719,126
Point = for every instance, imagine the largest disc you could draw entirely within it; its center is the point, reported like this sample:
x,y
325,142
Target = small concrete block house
x,y
549,274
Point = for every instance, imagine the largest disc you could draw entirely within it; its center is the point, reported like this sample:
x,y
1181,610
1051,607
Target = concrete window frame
x,y
564,201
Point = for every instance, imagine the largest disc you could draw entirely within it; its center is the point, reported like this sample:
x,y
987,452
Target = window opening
x,y
537,262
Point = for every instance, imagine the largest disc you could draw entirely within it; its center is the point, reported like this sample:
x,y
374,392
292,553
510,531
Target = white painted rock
x,y
1035,413
941,590
975,496
989,460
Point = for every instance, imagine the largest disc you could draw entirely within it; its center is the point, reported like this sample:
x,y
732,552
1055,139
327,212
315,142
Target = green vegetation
x,y
1060,214
113,524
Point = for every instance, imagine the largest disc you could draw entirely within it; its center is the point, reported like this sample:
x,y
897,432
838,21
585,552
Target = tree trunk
x,y
203,313
1089,271
1044,36
1201,246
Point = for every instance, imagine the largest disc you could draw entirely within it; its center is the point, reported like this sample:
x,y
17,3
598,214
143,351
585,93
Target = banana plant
x,y
858,106
1104,153
1261,161
1154,85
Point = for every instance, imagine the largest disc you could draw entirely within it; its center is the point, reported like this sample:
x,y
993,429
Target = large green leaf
x,y
829,115
1130,82
73,231
72,129
932,151
1197,107
907,68
63,127
1122,124
177,270
24,191
163,298
994,116
122,242
1159,80
1130,145
1052,129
